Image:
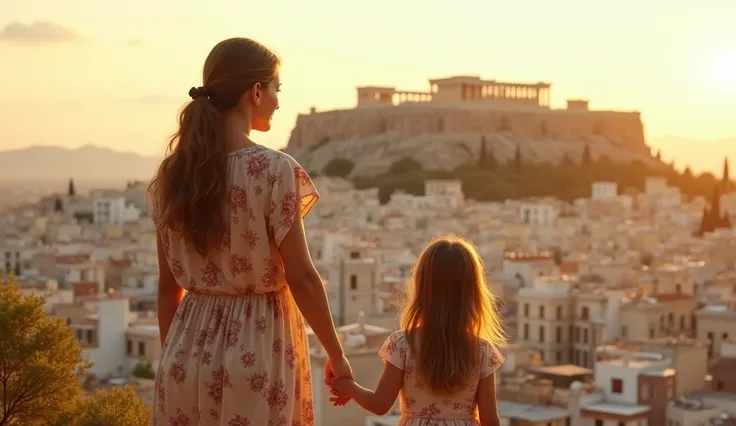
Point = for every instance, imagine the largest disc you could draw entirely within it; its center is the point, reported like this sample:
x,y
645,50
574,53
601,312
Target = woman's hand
x,y
338,369
341,390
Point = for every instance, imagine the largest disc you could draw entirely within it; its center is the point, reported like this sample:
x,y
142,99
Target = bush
x,y
404,165
144,370
338,167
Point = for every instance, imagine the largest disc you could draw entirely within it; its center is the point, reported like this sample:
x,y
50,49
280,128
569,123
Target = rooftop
x,y
530,413
617,409
568,370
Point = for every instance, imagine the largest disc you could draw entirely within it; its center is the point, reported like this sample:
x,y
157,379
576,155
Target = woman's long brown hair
x,y
448,311
190,188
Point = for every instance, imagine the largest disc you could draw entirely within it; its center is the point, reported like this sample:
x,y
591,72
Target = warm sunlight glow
x,y
723,70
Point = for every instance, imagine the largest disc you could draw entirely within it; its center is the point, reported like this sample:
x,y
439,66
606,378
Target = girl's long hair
x,y
449,309
190,188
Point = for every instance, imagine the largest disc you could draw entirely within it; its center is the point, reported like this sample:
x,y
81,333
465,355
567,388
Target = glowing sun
x,y
723,69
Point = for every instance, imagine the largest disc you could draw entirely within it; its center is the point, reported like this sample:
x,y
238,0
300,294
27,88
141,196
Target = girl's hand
x,y
340,388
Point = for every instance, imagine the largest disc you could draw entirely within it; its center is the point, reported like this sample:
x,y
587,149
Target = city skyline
x,y
114,76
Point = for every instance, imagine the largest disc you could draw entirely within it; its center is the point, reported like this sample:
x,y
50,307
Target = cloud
x,y
40,32
138,42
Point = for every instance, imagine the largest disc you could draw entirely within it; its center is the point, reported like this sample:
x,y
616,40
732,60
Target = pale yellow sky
x,y
119,80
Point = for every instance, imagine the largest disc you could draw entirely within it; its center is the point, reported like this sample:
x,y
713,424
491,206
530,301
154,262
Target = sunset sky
x,y
115,73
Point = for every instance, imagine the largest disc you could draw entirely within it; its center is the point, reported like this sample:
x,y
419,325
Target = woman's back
x,y
419,402
262,203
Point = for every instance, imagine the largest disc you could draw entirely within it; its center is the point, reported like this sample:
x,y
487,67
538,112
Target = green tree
x,y
405,164
587,157
486,159
338,167
144,370
119,406
518,162
41,362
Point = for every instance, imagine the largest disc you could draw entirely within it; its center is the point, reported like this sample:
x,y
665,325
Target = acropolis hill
x,y
459,110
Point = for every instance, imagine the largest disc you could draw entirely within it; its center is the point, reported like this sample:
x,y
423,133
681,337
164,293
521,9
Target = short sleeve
x,y
394,350
292,193
491,360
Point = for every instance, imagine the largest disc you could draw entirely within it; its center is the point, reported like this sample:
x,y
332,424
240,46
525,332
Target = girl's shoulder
x,y
397,338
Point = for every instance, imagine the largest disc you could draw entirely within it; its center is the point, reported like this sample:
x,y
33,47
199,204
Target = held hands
x,y
336,370
340,389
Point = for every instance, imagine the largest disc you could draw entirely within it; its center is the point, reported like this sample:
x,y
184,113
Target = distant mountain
x,y
88,162
701,155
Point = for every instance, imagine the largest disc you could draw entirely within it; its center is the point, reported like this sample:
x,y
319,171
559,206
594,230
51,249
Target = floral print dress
x,y
421,407
236,353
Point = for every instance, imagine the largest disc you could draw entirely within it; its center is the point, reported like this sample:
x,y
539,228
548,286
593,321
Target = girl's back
x,y
419,403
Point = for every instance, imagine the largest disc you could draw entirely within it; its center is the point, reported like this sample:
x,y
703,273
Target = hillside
x,y
511,167
41,163
374,154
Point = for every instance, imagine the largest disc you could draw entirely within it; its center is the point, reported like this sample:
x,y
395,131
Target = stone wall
x,y
620,128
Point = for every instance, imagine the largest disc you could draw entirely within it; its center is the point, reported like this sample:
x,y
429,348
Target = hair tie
x,y
196,92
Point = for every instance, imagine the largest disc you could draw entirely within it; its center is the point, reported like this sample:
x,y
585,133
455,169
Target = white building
x,y
604,190
445,193
113,211
655,185
539,214
103,337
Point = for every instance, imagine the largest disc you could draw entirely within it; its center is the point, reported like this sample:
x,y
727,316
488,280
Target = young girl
x,y
442,361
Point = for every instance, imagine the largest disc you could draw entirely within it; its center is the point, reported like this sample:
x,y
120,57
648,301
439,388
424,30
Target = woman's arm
x,y
307,288
487,405
169,292
379,401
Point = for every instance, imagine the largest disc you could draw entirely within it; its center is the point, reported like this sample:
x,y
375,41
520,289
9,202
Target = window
x,y
541,312
90,336
577,334
559,312
526,331
142,348
617,386
585,359
585,335
682,322
651,333
129,348
353,282
559,357
355,255
585,313
624,331
526,310
598,422
559,334
724,336
541,334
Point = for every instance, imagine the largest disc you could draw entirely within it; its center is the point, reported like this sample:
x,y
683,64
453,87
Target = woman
x,y
229,215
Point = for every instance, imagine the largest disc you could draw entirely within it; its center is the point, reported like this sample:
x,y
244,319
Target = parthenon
x,y
468,104
460,89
